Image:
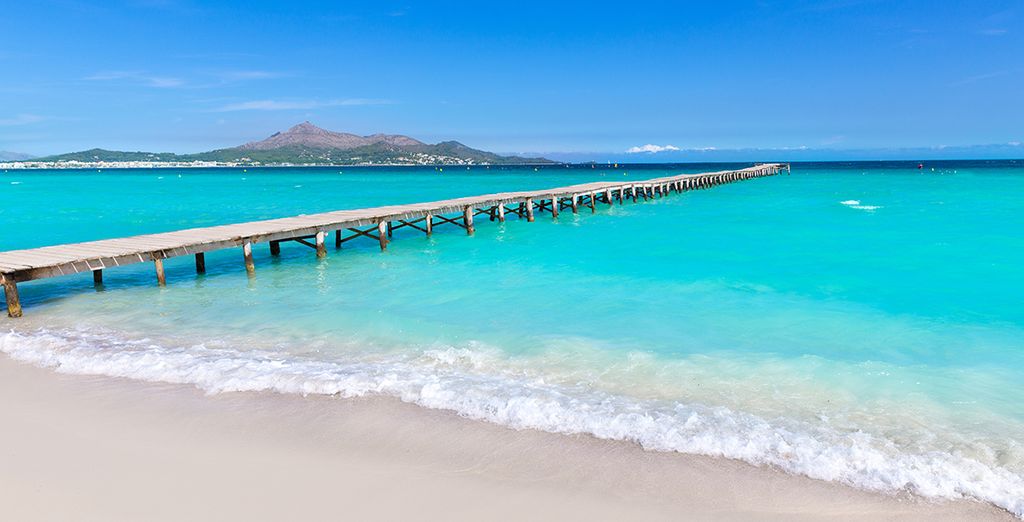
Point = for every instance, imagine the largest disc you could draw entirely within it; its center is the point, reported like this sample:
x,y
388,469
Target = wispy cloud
x,y
834,5
980,77
217,55
138,77
652,149
237,76
20,119
286,105
201,79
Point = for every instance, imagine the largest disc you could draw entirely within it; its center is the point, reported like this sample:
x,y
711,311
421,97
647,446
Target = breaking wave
x,y
473,383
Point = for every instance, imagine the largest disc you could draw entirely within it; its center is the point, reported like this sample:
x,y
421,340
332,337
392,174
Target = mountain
x,y
307,144
113,155
308,135
13,156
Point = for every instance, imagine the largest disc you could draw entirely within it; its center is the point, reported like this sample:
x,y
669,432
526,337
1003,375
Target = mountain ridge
x,y
307,144
307,134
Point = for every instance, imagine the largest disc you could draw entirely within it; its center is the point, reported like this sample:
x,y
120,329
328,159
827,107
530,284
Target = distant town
x,y
418,160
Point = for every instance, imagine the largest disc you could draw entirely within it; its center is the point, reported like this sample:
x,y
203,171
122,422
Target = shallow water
x,y
858,323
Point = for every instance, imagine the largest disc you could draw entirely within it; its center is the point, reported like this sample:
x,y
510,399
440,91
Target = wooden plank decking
x,y
376,223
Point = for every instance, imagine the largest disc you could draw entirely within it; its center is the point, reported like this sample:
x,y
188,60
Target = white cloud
x,y
652,149
139,77
980,77
285,105
157,81
20,119
234,76
266,105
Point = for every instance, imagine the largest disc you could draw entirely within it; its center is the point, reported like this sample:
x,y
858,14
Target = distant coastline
x,y
88,165
304,144
926,166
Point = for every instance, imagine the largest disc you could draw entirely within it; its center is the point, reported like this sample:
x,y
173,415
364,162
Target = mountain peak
x,y
308,135
306,127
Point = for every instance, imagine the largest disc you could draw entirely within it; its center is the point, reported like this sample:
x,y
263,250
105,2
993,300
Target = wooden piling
x,y
467,219
11,296
337,238
429,220
321,248
200,263
575,204
382,235
529,210
275,248
161,279
250,266
555,203
501,213
97,277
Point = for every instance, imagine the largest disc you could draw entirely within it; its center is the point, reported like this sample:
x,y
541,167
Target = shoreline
x,y
102,448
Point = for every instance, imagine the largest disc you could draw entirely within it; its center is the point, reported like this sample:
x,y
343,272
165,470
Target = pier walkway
x,y
312,230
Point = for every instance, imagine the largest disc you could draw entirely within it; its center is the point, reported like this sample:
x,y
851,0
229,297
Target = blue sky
x,y
586,77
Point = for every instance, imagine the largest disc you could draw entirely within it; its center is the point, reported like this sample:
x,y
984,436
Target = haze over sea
x,y
858,323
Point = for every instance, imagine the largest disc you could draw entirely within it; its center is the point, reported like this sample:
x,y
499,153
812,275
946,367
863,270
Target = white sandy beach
x,y
96,448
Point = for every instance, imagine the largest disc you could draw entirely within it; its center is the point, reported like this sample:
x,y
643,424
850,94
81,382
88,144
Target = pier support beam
x,y
250,266
97,277
555,203
529,210
200,263
501,213
467,218
321,248
429,220
275,248
575,203
382,235
11,296
337,238
161,279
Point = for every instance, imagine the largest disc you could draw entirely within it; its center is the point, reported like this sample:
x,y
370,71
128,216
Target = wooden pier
x,y
312,230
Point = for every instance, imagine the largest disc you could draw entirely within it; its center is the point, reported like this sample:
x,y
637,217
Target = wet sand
x,y
97,448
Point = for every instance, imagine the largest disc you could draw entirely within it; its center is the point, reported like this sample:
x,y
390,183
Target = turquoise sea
x,y
860,323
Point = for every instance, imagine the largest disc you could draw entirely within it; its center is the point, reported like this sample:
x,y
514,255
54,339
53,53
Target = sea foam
x,y
463,380
855,203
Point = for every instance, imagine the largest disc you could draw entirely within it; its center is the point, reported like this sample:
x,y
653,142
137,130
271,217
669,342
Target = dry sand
x,y
96,448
